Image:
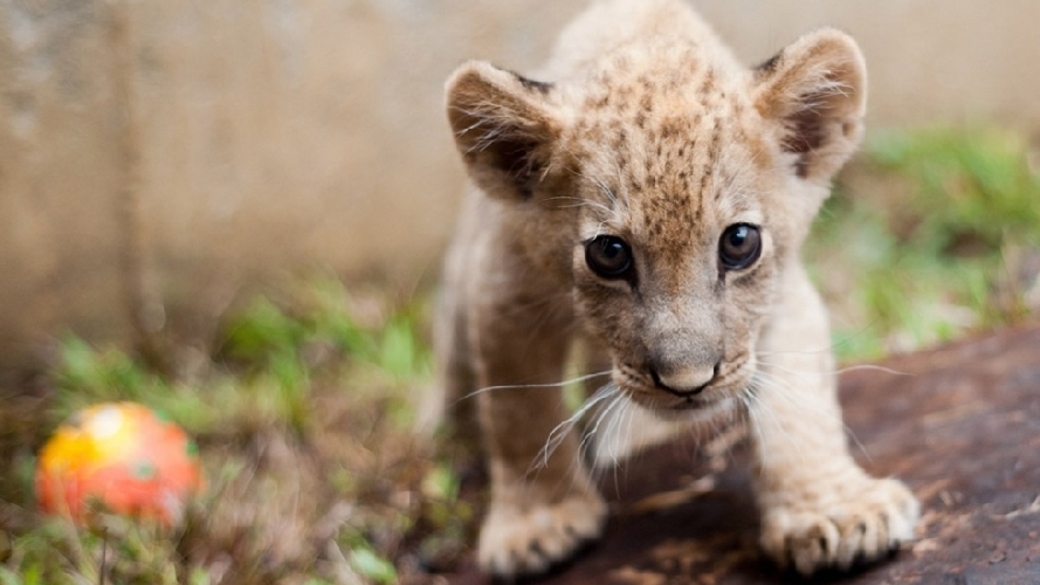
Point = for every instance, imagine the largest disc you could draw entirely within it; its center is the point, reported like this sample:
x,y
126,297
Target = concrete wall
x,y
157,156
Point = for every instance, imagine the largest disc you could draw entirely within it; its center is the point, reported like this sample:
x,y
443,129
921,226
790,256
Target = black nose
x,y
685,382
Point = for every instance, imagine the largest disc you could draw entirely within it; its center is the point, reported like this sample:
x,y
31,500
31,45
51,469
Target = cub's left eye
x,y
739,246
608,256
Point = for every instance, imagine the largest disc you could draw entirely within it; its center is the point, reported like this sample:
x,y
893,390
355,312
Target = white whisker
x,y
560,431
619,399
846,369
529,386
872,368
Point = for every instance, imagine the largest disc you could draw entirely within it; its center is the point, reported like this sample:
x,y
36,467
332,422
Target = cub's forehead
x,y
659,88
699,203
686,165
664,136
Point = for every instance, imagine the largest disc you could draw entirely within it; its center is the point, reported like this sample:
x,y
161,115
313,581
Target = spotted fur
x,y
644,127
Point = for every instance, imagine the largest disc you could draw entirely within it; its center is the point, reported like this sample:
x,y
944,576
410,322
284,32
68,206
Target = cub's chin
x,y
645,421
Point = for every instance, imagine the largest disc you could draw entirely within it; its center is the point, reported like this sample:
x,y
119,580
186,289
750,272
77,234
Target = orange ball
x,y
124,456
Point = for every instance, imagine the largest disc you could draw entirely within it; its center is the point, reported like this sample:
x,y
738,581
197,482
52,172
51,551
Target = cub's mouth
x,y
723,391
691,410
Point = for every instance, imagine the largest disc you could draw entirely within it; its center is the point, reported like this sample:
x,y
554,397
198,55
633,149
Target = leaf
x,y
371,565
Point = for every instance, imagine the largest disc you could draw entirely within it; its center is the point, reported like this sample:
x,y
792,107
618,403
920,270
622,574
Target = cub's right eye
x,y
608,256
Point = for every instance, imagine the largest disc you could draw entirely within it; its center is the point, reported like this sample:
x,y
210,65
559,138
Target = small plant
x,y
913,247
304,384
971,192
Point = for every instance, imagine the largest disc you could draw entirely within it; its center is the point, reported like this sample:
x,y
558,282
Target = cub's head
x,y
670,191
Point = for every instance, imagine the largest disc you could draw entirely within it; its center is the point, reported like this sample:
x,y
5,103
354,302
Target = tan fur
x,y
643,126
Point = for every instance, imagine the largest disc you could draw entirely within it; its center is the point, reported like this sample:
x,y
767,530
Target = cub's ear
x,y
504,127
815,91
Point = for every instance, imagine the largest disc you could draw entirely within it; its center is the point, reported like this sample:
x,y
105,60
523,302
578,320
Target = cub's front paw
x,y
528,540
864,523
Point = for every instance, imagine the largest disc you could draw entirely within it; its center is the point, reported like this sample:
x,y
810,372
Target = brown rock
x,y
960,424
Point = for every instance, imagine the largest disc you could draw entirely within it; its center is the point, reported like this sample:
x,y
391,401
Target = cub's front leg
x,y
819,508
543,508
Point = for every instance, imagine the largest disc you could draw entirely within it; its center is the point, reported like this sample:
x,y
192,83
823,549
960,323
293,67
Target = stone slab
x,y
960,424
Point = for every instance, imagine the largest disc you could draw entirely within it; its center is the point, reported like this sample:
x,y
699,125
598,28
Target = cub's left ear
x,y
815,91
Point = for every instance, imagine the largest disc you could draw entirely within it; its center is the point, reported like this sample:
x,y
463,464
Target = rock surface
x,y
960,424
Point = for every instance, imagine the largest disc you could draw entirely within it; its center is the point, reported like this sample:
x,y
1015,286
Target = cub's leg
x,y
542,508
451,401
819,509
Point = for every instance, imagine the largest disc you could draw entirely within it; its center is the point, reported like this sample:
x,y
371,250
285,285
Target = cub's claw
x,y
528,541
871,521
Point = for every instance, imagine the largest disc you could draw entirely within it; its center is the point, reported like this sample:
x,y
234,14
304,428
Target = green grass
x,y
304,408
924,238
304,420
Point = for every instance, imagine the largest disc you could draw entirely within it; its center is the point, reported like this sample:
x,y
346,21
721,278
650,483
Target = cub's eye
x,y
608,256
739,246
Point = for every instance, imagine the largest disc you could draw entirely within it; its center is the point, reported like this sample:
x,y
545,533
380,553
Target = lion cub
x,y
649,195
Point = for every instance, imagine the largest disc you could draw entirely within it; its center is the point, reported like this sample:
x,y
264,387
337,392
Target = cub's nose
x,y
684,381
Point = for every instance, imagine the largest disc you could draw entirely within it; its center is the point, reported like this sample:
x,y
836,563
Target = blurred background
x,y
235,211
158,158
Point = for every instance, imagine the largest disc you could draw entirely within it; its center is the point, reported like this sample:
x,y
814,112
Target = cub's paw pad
x,y
867,524
516,542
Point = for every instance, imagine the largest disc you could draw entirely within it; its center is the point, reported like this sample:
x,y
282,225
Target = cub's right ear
x,y
815,92
504,127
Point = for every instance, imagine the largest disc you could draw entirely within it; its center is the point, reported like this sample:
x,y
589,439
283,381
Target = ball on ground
x,y
124,456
